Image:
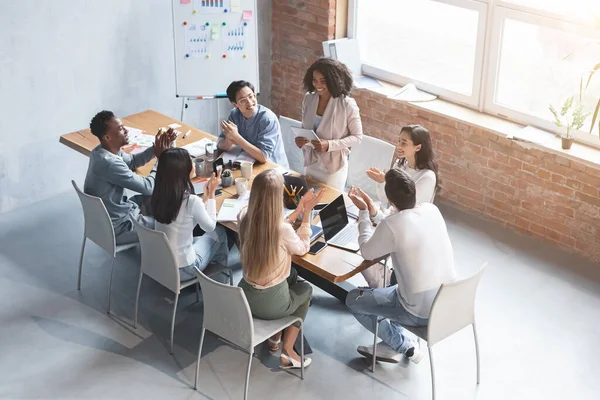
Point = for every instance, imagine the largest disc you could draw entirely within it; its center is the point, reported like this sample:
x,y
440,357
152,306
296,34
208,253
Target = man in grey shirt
x,y
111,170
252,127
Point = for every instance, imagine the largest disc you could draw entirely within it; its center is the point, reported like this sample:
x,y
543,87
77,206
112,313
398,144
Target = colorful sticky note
x,y
215,32
185,1
236,6
247,15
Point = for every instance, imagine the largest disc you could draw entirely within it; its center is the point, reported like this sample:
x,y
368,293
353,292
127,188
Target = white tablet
x,y
307,133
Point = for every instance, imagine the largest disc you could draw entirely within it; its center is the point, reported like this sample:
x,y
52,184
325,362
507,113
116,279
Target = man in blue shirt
x,y
111,170
252,127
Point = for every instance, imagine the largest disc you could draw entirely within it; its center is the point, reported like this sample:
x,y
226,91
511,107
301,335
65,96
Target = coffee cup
x,y
241,186
246,167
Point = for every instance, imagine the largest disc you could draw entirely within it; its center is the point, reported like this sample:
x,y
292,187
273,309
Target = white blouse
x,y
181,231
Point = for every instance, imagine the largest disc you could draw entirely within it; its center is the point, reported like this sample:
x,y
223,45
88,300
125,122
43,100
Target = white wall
x,y
62,61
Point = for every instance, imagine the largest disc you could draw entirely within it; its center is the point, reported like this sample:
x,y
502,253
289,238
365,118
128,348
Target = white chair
x,y
98,228
371,152
227,314
453,309
158,262
293,153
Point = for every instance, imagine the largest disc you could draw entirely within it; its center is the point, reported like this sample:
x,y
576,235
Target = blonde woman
x,y
267,243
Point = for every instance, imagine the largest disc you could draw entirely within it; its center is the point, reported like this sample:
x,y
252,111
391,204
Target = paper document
x,y
533,135
306,133
197,149
201,184
236,155
231,208
134,133
411,93
366,82
142,140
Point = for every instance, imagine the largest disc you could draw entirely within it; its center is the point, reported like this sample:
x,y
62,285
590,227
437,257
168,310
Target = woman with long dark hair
x,y
417,159
177,210
333,115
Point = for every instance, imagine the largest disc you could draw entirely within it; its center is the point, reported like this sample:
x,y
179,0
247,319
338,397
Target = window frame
x,y
492,14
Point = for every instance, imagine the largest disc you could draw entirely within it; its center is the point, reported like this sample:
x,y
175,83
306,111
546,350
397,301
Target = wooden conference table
x,y
327,269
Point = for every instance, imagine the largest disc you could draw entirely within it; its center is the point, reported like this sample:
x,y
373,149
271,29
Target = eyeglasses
x,y
246,100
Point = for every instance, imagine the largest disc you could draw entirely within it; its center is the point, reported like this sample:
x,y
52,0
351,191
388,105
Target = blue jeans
x,y
367,304
207,250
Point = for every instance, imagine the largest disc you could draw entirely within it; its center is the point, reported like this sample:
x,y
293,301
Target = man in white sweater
x,y
421,252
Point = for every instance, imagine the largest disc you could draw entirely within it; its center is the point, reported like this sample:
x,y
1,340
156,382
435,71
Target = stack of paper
x,y
197,149
231,208
236,155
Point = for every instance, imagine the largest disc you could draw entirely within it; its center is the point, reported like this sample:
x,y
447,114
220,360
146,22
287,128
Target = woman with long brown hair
x,y
267,243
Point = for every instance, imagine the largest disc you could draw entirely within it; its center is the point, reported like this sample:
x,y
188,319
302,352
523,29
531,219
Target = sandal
x,y
274,344
293,363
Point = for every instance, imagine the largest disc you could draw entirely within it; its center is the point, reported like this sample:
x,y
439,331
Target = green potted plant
x,y
570,119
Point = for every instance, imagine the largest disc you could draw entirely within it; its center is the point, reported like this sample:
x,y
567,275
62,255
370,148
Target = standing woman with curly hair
x,y
334,116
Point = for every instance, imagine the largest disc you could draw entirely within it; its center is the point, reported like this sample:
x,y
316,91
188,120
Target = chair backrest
x,y
158,259
371,152
226,312
294,154
97,224
453,307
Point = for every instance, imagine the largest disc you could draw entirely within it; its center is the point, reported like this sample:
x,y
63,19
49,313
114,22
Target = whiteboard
x,y
216,43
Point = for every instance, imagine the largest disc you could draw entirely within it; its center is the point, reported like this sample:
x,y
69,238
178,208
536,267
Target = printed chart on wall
x,y
216,42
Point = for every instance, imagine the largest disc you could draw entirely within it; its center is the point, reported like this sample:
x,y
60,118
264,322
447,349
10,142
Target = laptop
x,y
336,228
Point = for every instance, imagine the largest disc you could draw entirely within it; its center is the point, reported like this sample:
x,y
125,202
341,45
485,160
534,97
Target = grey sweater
x,y
109,174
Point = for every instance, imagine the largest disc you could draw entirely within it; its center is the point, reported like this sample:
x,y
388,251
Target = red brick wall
x,y
534,192
299,28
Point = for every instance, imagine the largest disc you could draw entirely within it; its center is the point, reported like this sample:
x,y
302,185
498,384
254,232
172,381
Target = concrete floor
x,y
537,309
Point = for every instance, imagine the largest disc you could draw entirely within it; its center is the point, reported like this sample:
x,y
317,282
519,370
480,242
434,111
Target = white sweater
x,y
180,232
421,252
424,180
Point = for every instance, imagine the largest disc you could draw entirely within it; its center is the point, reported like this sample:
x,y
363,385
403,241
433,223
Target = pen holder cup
x,y
290,202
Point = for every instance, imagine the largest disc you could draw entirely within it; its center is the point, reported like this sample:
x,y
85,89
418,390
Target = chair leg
x,y
197,292
301,351
375,344
173,321
230,277
81,263
112,267
198,360
432,373
137,299
247,377
476,352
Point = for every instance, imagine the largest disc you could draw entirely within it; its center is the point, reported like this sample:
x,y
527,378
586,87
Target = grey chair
x,y
98,228
158,262
227,314
453,309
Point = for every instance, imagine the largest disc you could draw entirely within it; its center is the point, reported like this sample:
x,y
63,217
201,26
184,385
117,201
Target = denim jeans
x,y
367,304
207,250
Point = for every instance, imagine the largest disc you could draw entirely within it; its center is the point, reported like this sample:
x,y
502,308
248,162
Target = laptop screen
x,y
334,217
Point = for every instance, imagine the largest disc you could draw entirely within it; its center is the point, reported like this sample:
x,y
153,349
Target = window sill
x,y
578,152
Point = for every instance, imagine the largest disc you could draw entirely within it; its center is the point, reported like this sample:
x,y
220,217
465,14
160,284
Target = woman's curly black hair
x,y
337,75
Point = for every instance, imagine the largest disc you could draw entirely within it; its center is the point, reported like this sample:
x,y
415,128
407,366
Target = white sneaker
x,y
384,353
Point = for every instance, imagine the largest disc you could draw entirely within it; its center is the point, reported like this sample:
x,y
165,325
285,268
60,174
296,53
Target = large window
x,y
508,58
